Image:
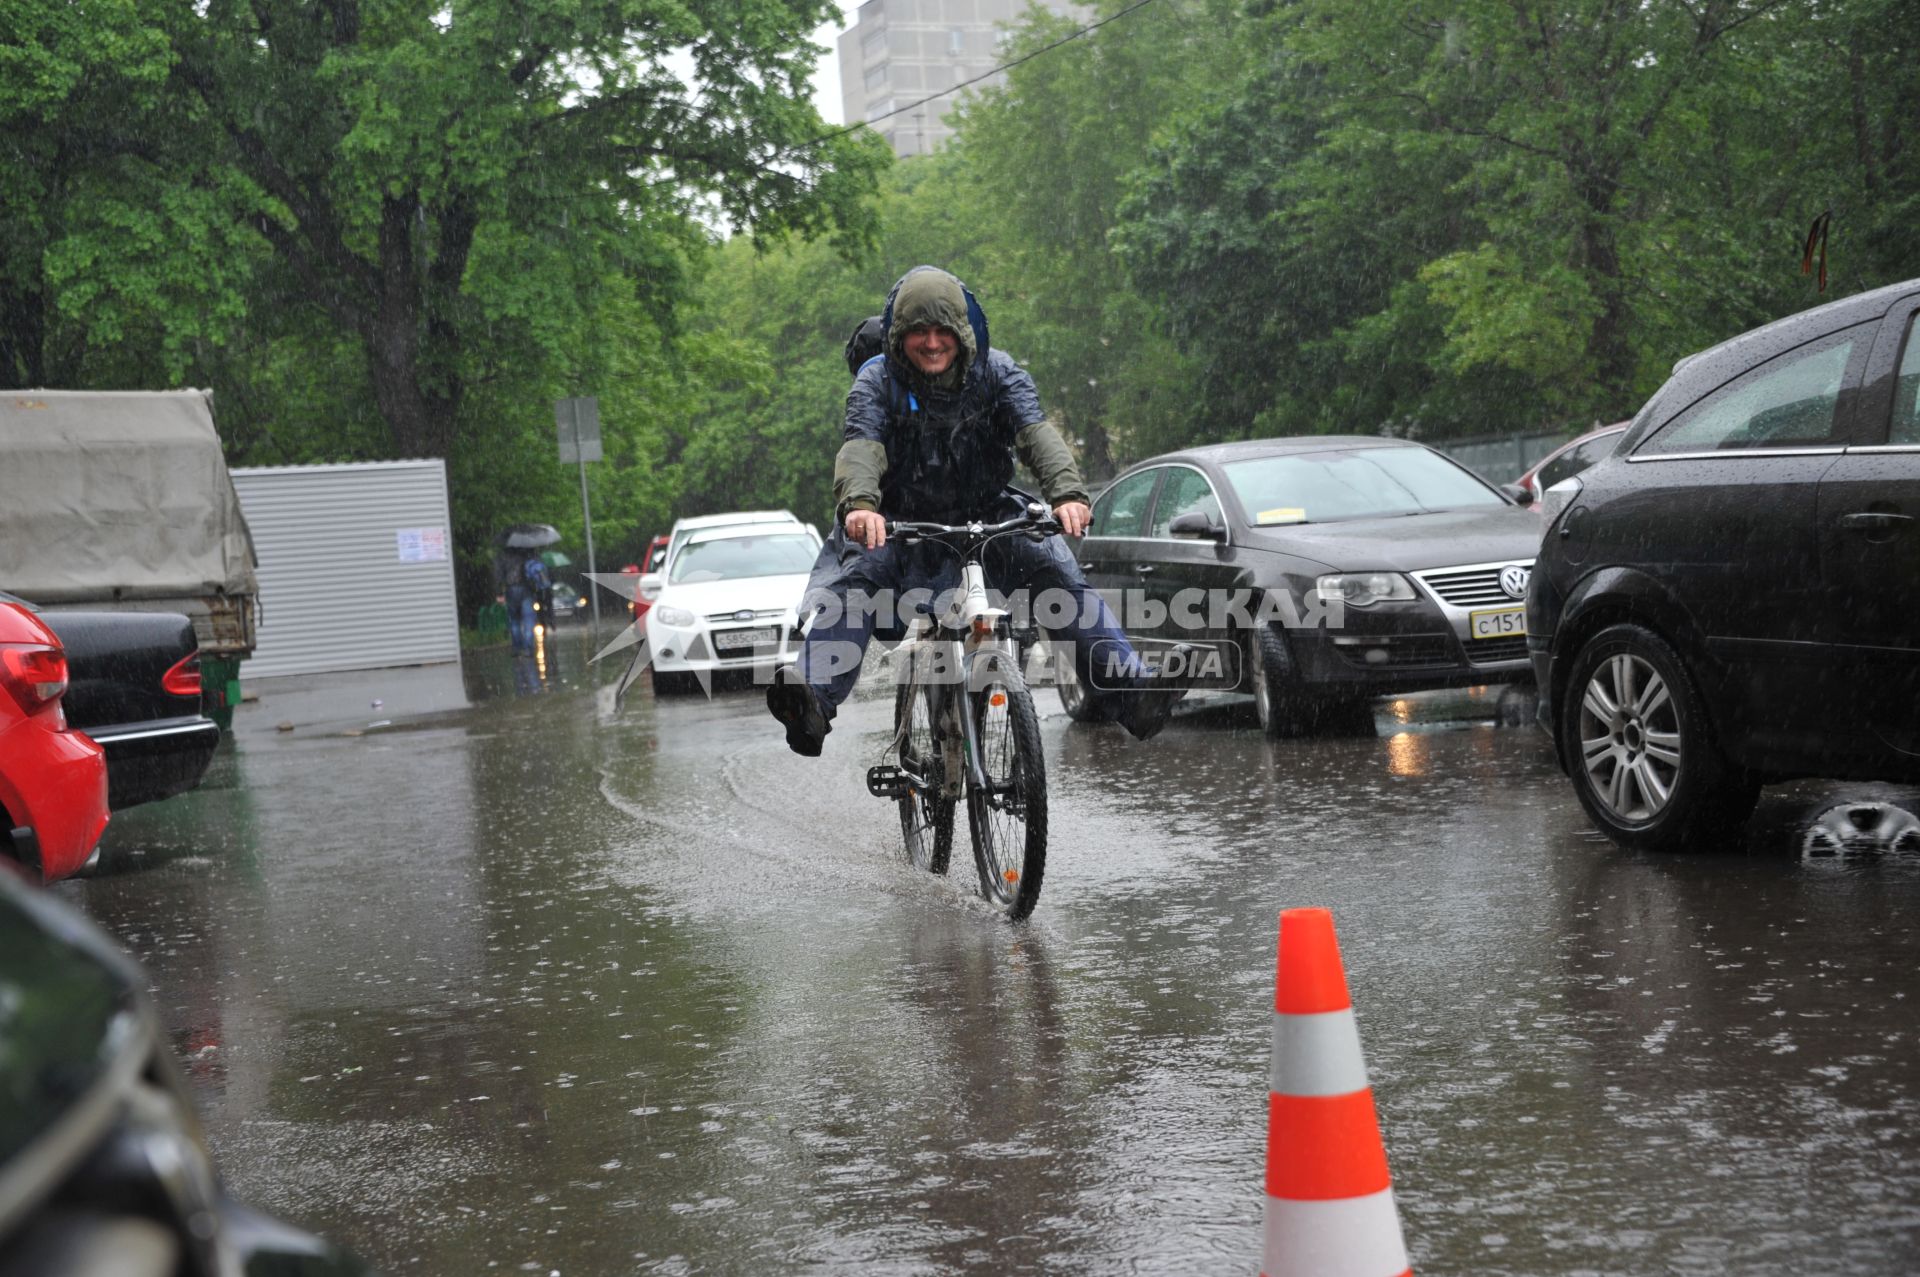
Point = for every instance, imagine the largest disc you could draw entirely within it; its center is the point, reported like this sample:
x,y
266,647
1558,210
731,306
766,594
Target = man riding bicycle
x,y
933,426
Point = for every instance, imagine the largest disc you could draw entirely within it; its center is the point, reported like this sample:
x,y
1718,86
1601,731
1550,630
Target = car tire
x,y
1073,696
1281,701
1640,750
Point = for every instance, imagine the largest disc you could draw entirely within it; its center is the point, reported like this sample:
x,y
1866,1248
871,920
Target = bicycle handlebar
x,y
1036,524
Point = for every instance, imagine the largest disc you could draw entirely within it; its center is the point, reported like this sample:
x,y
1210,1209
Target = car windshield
x,y
772,554
1321,487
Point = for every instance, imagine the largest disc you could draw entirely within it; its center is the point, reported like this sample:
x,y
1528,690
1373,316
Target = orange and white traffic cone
x,y
1330,1210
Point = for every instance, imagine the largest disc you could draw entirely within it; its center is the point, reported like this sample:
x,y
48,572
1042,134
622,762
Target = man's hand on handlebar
x,y
867,527
1074,516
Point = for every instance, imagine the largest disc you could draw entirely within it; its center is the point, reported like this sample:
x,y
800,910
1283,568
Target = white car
x,y
729,600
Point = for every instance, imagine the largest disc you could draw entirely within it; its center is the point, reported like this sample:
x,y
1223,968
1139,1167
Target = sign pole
x,y
586,515
578,420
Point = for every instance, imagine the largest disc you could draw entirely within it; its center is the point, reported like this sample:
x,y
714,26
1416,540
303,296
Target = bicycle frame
x,y
970,631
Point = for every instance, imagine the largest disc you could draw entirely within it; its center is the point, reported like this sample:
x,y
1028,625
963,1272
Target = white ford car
x,y
728,601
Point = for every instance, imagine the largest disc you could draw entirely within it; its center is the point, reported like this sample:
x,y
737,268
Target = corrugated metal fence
x,y
1502,458
356,566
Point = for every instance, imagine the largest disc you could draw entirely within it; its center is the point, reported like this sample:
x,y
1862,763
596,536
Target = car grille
x,y
1403,652
1476,586
1494,650
733,618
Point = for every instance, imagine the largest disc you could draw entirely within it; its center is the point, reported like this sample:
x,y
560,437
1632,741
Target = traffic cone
x,y
1330,1210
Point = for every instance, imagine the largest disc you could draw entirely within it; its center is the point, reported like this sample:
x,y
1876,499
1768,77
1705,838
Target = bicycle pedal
x,y
886,781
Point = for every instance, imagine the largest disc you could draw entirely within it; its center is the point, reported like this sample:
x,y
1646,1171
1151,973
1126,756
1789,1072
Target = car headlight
x,y
1558,498
676,616
1364,589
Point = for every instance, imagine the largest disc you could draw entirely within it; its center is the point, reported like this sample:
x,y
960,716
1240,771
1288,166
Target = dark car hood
x,y
1410,543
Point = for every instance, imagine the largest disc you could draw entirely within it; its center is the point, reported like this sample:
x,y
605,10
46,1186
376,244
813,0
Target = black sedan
x,y
1315,572
1732,598
134,688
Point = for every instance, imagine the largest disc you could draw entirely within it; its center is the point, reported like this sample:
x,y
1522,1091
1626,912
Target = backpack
x,y
868,340
534,573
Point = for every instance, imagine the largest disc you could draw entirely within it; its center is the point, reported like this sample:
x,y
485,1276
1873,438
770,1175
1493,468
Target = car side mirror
x,y
651,583
1520,492
1196,525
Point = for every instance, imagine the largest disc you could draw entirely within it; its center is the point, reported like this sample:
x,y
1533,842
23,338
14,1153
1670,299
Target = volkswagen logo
x,y
1513,580
744,615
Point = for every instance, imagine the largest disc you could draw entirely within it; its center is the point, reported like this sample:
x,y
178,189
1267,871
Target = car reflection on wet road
x,y
484,980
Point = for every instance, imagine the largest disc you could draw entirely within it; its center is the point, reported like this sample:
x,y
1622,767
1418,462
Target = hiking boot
x,y
1147,711
797,706
1150,711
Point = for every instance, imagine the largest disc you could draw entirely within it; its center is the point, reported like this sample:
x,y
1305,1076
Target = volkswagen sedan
x,y
1314,572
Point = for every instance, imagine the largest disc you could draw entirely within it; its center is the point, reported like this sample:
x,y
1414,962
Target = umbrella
x,y
528,536
556,558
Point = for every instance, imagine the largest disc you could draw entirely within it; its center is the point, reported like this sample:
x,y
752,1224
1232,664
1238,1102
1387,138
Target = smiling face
x,y
930,349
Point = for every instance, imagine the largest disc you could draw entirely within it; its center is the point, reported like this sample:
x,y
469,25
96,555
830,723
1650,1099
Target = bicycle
x,y
964,728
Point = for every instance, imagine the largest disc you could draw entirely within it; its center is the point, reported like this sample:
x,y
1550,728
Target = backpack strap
x,y
893,387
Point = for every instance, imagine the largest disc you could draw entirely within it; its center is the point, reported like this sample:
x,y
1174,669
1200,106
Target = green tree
x,y
1499,214
118,251
1044,161
461,188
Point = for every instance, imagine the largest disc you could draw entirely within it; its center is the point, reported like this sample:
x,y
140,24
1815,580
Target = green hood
x,y
928,295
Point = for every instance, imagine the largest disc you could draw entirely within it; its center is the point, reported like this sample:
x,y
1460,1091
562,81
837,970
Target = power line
x,y
985,75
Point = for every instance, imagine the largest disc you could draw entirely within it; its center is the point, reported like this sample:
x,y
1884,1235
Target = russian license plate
x,y
1500,622
734,640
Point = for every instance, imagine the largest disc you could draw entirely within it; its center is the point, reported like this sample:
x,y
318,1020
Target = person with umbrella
x,y
522,576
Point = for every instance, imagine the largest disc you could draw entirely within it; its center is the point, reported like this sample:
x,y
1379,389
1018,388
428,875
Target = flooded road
x,y
487,978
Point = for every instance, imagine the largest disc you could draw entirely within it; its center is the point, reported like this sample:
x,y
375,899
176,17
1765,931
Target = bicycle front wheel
x,y
1008,817
926,815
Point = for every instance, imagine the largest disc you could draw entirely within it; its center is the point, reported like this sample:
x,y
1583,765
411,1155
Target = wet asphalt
x,y
487,977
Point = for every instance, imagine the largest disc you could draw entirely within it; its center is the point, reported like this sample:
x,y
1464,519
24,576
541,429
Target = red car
x,y
1570,458
53,780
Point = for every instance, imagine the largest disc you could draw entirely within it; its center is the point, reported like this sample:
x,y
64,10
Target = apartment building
x,y
901,51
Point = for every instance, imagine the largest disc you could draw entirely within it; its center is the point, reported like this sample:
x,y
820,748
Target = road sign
x,y
579,423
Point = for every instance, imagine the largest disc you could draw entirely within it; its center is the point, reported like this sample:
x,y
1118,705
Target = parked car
x,y
135,689
1569,459
53,779
1733,597
729,600
1424,563
566,601
103,1167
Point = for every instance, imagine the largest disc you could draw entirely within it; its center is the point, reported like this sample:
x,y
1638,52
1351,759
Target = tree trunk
x,y
23,338
420,418
1862,135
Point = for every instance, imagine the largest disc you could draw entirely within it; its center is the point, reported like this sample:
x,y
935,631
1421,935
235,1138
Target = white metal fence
x,y
356,566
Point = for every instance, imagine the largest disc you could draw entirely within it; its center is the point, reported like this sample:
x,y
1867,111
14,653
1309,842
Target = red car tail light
x,y
184,678
34,675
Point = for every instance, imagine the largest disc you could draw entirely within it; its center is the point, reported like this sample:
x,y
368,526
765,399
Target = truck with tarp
x,y
122,500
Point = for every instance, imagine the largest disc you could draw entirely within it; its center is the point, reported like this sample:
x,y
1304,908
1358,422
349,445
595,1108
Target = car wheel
x,y
1073,696
1638,746
1283,704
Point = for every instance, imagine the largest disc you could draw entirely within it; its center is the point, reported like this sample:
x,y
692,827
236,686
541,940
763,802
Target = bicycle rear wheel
x,y
1008,818
926,817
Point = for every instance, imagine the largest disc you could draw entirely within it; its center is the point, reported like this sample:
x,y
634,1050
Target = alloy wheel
x,y
1629,738
1257,680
